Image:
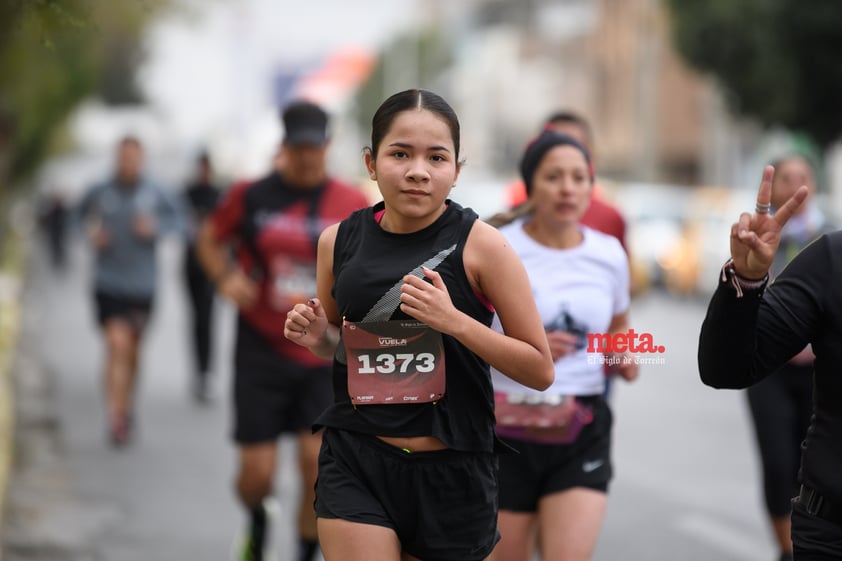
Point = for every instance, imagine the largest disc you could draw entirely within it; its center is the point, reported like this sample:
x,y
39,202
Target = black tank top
x,y
369,261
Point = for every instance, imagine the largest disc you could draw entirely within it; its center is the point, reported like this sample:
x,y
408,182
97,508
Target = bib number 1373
x,y
387,363
391,362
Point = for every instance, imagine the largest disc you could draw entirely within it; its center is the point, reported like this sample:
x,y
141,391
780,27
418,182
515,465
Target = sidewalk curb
x,y
11,264
42,518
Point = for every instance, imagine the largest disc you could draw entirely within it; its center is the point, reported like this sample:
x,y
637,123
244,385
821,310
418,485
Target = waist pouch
x,y
551,419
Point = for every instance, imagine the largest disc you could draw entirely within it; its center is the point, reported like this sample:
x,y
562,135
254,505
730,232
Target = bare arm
x,y
229,279
315,325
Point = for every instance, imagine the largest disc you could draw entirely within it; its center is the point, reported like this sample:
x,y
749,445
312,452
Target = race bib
x,y
292,282
391,362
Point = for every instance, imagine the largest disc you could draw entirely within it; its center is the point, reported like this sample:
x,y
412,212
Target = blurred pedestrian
x,y
52,214
754,327
781,405
201,197
404,303
279,387
600,215
124,218
555,487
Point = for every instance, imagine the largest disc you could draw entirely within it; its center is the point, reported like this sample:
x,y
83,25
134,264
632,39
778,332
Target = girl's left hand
x,y
428,303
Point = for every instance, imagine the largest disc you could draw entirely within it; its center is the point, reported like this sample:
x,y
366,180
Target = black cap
x,y
305,123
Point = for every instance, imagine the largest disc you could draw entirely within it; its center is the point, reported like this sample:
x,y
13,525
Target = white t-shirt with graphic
x,y
578,290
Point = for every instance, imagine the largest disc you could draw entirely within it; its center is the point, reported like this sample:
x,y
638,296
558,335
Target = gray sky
x,y
210,71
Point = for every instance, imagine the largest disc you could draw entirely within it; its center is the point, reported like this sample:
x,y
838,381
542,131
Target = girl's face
x,y
561,186
415,168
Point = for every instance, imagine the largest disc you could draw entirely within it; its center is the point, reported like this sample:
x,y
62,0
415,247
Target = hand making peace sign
x,y
755,237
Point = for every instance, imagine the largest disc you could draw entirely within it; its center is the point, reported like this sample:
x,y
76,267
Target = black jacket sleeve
x,y
743,340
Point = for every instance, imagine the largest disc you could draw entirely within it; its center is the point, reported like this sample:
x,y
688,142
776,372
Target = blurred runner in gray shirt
x,y
124,218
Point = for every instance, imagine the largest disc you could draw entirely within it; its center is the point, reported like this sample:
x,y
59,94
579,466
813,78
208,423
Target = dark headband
x,y
538,148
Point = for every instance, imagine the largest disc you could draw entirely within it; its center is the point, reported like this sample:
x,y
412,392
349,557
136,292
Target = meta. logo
x,y
631,342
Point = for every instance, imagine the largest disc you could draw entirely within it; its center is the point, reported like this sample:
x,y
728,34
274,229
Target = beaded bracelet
x,y
729,274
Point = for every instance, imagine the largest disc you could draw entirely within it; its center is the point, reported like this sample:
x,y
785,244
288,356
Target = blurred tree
x,y
53,54
47,65
778,60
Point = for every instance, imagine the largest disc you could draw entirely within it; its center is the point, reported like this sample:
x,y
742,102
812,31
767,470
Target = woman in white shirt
x,y
553,492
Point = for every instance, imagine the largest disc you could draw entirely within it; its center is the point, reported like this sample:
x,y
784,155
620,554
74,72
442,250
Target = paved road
x,y
685,485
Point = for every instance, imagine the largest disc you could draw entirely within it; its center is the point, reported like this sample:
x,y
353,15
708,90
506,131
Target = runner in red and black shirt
x,y
279,387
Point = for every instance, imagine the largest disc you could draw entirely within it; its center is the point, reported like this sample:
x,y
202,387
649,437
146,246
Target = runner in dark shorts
x,y
441,504
124,217
540,469
266,404
135,311
273,224
408,466
553,494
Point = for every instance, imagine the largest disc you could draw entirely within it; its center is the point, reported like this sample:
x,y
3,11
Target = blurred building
x,y
654,119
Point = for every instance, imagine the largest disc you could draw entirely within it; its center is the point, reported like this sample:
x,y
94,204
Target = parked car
x,y
690,265
654,217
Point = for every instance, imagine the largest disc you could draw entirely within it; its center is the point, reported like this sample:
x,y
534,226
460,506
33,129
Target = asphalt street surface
x,y
686,474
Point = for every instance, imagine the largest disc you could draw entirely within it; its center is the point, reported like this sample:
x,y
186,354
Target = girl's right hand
x,y
306,323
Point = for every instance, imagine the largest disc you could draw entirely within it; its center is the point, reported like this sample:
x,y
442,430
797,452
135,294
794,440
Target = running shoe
x,y
202,390
250,551
121,431
255,543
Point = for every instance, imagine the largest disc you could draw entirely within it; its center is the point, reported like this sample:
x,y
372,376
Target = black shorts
x,y
539,470
274,395
441,504
134,310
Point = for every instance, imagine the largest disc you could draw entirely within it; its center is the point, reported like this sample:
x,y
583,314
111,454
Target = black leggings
x,y
781,407
201,292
